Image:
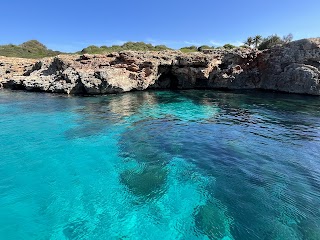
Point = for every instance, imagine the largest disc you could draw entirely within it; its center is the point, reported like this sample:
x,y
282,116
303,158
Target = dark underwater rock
x,y
148,183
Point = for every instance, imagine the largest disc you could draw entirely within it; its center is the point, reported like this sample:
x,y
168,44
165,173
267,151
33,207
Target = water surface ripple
x,y
160,165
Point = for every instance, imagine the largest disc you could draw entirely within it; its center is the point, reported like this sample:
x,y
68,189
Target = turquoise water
x,y
160,165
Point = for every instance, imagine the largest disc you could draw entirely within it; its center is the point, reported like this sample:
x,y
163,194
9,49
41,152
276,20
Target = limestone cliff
x,y
294,67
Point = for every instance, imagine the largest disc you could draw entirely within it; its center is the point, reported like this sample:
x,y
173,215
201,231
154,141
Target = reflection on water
x,y
151,165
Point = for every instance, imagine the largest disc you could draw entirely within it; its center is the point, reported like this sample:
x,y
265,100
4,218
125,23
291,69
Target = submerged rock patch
x,y
148,183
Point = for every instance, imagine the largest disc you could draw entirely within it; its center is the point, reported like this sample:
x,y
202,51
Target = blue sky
x,y
72,25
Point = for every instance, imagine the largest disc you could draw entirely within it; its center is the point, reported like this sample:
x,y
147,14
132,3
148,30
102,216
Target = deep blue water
x,y
160,165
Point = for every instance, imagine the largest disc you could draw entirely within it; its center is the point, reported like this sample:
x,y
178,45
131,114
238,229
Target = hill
x,y
29,49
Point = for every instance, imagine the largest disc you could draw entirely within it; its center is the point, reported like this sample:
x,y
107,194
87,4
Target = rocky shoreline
x,y
292,68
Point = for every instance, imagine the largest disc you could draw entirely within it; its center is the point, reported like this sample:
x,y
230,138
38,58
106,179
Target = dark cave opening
x,y
167,79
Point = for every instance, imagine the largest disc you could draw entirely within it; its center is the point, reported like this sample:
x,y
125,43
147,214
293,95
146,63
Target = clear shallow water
x,y
160,165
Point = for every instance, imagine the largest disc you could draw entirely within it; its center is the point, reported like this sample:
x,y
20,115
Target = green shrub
x,y
203,47
30,49
229,46
270,42
288,38
92,49
133,46
189,49
160,47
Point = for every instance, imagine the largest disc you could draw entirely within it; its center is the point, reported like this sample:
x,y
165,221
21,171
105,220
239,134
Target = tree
x,y
249,41
257,40
288,38
270,41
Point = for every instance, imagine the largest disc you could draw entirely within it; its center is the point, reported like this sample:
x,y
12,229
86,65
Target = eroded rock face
x,y
12,71
294,67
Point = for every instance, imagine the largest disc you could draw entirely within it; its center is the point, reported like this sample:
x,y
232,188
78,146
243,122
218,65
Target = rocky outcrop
x,y
294,67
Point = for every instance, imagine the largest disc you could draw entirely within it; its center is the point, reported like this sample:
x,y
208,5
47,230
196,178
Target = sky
x,y
72,25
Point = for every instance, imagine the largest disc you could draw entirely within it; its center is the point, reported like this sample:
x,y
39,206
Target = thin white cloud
x,y
237,43
102,43
63,47
217,44
193,43
163,42
115,42
153,41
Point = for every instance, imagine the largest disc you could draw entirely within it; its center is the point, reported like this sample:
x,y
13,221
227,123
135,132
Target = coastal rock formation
x,y
13,68
294,67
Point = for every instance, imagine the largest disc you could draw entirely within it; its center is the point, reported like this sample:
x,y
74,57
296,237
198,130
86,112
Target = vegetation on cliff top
x,y
134,46
30,49
35,49
265,43
203,47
